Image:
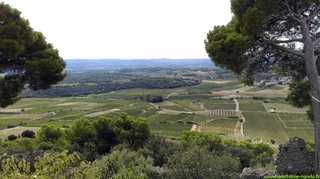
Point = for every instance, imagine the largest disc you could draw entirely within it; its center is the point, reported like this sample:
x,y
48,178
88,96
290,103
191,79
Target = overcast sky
x,y
125,28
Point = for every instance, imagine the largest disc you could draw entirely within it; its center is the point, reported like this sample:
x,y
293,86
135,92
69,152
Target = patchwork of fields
x,y
271,119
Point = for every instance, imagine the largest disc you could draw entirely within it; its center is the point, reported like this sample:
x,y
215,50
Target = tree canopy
x,y
26,58
265,35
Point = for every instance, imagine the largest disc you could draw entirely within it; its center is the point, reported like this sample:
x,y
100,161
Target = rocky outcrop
x,y
295,158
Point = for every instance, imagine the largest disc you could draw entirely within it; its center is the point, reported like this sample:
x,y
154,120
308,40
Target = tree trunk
x,y
316,116
313,76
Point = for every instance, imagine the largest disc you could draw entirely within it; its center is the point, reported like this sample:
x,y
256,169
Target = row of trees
x,y
104,86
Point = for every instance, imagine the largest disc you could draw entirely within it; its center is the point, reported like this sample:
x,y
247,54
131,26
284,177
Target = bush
x,y
160,150
28,134
81,133
125,164
132,131
199,163
12,137
105,136
49,134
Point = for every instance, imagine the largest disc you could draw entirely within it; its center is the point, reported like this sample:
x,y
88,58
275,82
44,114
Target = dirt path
x,y
173,112
237,104
239,129
95,114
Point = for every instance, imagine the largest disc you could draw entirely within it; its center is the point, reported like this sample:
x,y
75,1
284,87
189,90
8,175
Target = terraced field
x,y
262,125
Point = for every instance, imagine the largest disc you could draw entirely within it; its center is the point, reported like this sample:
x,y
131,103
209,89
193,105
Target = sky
x,y
125,29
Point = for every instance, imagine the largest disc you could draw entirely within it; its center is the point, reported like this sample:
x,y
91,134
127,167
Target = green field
x,y
222,127
252,105
181,109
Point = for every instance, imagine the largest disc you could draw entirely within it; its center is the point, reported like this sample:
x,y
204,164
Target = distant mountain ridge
x,y
118,64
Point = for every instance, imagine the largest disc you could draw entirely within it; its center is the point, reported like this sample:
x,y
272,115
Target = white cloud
x,y
125,28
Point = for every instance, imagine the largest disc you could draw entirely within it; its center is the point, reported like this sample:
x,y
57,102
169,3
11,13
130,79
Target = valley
x,y
264,115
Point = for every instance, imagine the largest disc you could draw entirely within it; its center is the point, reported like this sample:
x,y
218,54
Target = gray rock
x,y
295,158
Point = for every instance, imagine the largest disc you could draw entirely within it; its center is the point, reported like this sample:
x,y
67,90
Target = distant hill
x,y
77,65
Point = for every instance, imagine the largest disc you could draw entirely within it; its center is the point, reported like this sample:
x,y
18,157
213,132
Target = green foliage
x,y
10,87
18,146
267,32
132,131
299,95
125,164
198,163
212,142
248,153
26,57
49,134
82,138
51,165
226,47
13,168
105,136
160,150
51,137
81,132
97,137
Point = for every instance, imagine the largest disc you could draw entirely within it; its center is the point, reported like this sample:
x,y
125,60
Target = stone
x,y
294,158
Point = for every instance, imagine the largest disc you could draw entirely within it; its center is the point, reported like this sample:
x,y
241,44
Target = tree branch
x,y
285,49
292,14
287,41
316,42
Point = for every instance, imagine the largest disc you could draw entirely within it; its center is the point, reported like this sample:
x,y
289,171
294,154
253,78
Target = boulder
x,y
294,158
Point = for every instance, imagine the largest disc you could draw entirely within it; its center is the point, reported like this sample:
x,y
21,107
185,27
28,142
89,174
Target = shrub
x,y
125,164
105,136
81,132
49,134
12,137
212,143
199,163
160,150
28,134
132,131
